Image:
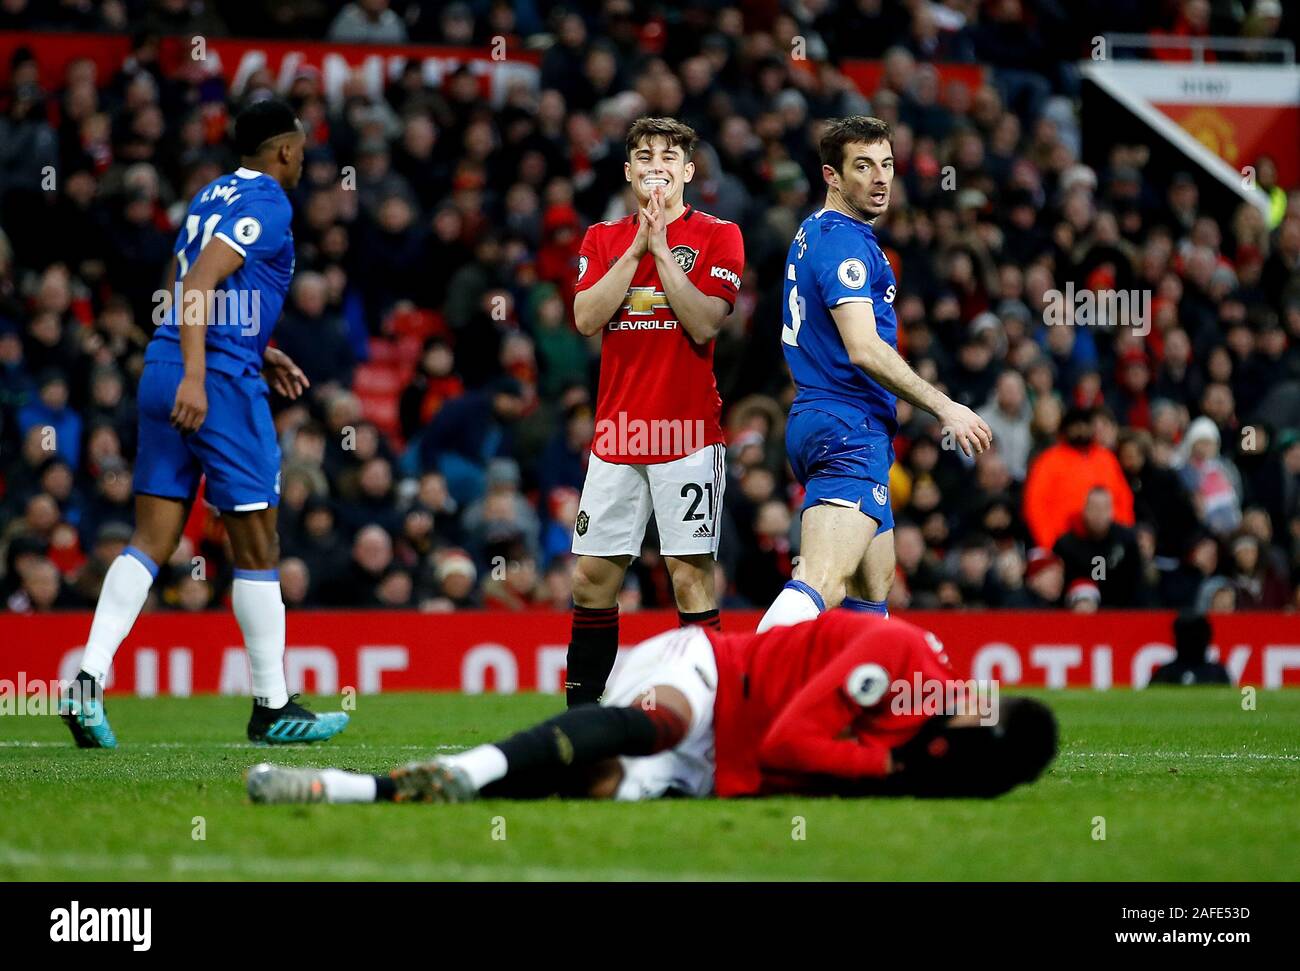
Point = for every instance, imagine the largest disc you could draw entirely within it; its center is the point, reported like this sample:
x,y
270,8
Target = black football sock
x,y
592,652
705,618
562,756
587,734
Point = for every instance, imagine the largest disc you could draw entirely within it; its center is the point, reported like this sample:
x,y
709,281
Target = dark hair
x,y
850,130
677,134
978,761
261,121
1078,415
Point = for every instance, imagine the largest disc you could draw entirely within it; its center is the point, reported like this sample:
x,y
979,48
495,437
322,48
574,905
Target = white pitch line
x,y
1259,756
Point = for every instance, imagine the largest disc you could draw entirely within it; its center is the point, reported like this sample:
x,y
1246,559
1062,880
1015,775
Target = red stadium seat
x,y
378,379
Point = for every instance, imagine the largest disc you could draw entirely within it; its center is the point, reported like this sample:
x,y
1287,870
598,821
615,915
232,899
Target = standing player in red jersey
x,y
842,705
656,285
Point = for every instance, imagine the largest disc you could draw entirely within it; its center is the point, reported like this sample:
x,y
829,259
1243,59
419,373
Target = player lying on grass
x,y
826,707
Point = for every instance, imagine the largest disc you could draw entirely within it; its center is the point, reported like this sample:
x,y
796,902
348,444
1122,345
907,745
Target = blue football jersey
x,y
249,212
834,260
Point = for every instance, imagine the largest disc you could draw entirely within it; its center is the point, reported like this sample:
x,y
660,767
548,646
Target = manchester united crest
x,y
582,522
685,257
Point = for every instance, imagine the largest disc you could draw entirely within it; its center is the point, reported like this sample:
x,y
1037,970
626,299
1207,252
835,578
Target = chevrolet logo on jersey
x,y
644,300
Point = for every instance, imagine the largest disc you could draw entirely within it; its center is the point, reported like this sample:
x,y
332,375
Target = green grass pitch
x,y
1190,787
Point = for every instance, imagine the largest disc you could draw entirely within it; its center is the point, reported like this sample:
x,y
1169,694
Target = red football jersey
x,y
651,371
817,699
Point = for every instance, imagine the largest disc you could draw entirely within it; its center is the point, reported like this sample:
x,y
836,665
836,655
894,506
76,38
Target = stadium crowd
x,y
437,238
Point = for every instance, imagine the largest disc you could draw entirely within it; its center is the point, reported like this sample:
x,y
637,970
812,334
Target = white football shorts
x,y
681,659
685,496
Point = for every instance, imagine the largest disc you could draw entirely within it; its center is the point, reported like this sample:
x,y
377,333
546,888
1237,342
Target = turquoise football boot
x,y
293,724
81,707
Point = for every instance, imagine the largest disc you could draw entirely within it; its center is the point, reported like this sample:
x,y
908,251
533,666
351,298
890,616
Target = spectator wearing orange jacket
x,y
1061,477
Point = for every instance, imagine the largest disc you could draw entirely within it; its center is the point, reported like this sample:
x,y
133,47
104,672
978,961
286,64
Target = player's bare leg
x,y
593,646
259,609
833,542
574,754
158,525
126,586
598,579
694,591
868,588
254,539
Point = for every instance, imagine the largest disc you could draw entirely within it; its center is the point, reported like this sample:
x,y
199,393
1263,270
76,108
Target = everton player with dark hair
x,y
840,339
204,411
828,706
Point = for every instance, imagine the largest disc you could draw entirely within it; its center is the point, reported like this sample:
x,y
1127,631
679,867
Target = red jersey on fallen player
x,y
650,368
816,698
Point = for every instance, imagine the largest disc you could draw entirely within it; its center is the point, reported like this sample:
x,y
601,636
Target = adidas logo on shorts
x,y
702,533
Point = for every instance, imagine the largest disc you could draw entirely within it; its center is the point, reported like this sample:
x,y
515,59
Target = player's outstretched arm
x,y
857,326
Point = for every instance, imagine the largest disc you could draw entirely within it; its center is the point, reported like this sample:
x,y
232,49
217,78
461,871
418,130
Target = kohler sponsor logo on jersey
x,y
722,273
638,436
1098,308
225,308
77,924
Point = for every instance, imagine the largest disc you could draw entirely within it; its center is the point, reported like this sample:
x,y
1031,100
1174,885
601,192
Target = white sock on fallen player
x,y
795,603
259,609
121,598
343,786
483,764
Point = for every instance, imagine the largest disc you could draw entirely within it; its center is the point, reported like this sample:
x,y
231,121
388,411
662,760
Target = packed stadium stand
x,y
437,460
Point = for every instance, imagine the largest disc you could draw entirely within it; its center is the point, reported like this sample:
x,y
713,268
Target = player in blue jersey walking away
x,y
204,410
840,338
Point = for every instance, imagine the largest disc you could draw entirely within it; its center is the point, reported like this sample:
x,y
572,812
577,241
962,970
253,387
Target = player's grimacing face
x,y
866,177
655,164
